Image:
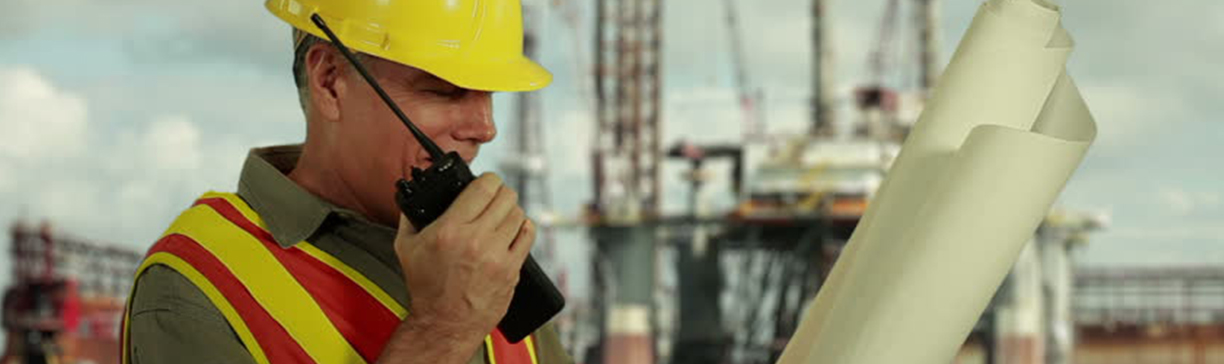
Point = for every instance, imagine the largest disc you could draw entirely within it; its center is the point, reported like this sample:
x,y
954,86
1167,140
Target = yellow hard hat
x,y
474,44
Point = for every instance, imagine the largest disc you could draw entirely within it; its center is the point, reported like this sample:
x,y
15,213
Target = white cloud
x,y
1126,114
1211,198
1171,233
122,185
173,143
179,141
38,119
1219,21
160,32
1177,201
1182,202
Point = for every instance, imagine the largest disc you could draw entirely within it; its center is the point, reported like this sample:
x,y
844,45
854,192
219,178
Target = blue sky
x,y
116,114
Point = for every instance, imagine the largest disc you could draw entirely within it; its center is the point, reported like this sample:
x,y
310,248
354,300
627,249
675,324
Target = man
x,y
311,260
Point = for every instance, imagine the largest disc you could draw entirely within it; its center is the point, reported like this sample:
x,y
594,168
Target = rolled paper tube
x,y
1003,132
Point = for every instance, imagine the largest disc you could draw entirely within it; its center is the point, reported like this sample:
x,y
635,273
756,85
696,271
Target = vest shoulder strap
x,y
272,312
287,305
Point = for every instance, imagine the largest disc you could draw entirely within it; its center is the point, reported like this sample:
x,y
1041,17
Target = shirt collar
x,y
291,213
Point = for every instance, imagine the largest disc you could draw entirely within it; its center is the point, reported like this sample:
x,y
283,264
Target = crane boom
x,y
753,123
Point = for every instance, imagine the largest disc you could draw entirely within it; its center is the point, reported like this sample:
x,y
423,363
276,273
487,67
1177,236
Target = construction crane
x,y
750,99
882,52
926,18
879,100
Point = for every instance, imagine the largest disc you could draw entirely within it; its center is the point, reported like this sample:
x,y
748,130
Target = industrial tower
x,y
627,185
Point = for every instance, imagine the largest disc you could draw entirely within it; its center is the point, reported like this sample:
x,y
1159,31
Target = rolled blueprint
x,y
1003,132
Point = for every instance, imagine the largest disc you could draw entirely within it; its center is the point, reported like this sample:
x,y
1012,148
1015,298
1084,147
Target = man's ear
x,y
323,72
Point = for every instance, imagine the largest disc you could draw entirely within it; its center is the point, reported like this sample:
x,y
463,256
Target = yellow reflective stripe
x,y
352,274
127,323
319,254
531,349
213,294
269,283
238,203
489,349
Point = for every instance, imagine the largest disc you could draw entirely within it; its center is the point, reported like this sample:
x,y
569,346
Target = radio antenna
x,y
434,152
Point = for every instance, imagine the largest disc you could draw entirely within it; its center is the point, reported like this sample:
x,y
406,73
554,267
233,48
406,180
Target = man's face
x,y
376,149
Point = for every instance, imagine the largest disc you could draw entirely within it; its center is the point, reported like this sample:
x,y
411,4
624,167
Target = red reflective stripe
x,y
123,333
275,341
366,323
506,353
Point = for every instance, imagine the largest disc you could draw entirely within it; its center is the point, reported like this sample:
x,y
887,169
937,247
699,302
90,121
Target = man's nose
x,y
477,121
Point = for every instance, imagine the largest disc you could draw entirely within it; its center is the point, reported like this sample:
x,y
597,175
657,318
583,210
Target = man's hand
x,y
461,271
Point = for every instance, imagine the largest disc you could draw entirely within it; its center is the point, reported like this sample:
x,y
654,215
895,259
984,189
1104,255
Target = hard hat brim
x,y
518,74
469,64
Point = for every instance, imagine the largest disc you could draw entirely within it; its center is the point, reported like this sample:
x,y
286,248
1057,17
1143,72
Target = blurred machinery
x,y
625,162
752,268
1150,315
739,279
65,301
526,170
729,286
725,286
750,98
1031,318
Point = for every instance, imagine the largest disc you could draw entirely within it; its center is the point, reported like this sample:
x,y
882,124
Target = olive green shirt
x,y
173,322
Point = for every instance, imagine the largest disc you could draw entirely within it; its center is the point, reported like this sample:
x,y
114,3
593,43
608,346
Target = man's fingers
x,y
474,199
509,226
502,205
523,242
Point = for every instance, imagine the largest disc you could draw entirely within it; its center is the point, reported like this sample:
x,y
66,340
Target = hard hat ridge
x,y
475,44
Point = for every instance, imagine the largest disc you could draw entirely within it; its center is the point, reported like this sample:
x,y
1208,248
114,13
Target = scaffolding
x,y
1149,296
1150,315
65,303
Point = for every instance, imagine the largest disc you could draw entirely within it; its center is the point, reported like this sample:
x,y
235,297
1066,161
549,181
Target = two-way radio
x,y
431,191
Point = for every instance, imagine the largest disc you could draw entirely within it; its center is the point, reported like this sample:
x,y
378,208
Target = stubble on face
x,y
430,103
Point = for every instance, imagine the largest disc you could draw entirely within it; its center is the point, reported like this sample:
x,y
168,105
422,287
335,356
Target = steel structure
x,y
824,110
1150,315
735,270
66,298
1149,296
750,97
627,91
625,162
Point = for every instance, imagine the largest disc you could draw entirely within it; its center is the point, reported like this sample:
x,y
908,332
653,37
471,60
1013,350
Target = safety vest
x,y
295,305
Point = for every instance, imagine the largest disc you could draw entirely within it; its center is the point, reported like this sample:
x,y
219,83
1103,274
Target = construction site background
x,y
696,167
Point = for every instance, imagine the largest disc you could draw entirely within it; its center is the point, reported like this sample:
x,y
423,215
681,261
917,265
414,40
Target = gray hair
x,y
300,78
